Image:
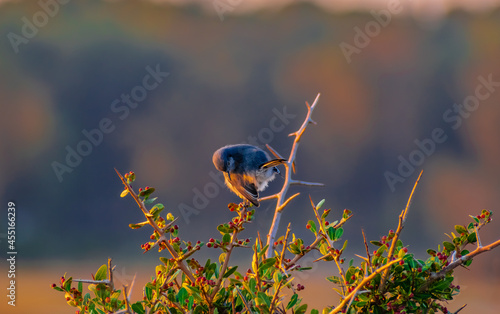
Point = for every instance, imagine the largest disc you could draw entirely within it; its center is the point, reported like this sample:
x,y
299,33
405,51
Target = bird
x,y
247,170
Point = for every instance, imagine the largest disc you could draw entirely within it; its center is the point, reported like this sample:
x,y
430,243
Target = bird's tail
x,y
272,163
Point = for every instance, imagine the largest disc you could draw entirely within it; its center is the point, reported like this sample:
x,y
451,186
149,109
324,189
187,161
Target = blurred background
x,y
157,86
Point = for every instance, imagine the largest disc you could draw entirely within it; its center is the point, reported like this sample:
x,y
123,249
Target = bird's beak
x,y
279,172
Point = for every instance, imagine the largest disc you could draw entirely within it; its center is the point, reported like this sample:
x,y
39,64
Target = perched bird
x,y
247,169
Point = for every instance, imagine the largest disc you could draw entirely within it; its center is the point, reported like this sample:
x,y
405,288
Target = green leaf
x,y
223,228
124,193
381,249
334,279
67,284
191,302
314,311
301,309
344,246
294,249
86,298
475,218
101,273
80,286
146,193
376,243
443,284
148,292
216,270
182,295
150,201
264,297
252,284
460,229
431,252
325,213
448,246
471,238
226,238
293,301
192,290
277,277
230,271
313,226
331,233
320,204
267,263
138,308
156,210
338,233
303,268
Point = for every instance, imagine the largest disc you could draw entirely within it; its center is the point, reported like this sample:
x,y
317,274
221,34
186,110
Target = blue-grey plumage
x,y
247,169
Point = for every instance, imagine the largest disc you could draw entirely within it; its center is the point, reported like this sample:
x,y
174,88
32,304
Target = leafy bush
x,y
184,284
388,280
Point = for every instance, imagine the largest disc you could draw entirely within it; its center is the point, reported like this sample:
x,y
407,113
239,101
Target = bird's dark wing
x,y
273,163
243,186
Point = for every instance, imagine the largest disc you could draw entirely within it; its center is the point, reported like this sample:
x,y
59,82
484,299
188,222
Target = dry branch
x,y
402,219
282,200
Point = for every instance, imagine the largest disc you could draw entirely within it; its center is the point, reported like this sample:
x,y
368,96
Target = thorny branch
x,y
282,201
402,219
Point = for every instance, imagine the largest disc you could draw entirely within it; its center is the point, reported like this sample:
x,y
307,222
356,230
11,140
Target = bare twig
x,y
369,261
282,201
110,275
127,300
463,307
402,219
